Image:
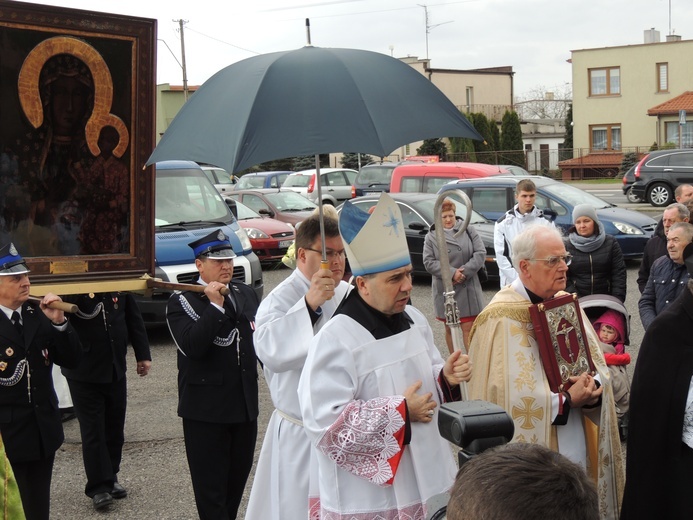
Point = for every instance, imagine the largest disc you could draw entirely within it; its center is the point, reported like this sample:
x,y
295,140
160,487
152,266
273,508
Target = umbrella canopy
x,y
306,102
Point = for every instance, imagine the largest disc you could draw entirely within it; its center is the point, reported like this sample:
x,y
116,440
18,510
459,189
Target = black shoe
x,y
102,500
118,491
67,414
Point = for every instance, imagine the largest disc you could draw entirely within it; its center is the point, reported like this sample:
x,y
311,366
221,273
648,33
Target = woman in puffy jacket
x,y
598,266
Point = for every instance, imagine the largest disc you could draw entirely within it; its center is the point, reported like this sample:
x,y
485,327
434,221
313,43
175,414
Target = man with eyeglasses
x,y
217,378
579,422
287,320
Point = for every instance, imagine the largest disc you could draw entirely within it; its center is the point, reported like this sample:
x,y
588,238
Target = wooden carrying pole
x,y
61,306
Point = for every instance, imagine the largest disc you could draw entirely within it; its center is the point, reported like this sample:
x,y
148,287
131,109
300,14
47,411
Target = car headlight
x,y
255,233
243,237
627,229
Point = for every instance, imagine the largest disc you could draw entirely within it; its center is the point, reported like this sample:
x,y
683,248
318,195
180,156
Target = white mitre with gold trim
x,y
374,242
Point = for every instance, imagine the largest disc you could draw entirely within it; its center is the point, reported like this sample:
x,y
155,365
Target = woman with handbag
x,y
467,255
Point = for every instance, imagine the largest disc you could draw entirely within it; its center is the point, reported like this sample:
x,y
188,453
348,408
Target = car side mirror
x,y
232,206
419,226
550,213
268,212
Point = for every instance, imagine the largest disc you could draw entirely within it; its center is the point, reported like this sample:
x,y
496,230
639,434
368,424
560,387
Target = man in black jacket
x,y
656,246
33,337
106,323
217,378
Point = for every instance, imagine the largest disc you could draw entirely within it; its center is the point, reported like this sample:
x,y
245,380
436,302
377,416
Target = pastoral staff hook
x,y
452,313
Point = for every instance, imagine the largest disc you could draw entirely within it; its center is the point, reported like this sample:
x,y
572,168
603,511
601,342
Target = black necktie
x,y
16,321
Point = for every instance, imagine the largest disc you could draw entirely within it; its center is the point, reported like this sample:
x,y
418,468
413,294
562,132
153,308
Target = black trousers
x,y
34,483
100,409
220,457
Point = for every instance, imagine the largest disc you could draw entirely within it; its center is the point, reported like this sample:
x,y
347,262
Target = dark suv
x,y
659,173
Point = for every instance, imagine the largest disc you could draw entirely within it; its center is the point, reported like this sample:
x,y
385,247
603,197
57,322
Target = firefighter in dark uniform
x,y
106,323
217,378
32,338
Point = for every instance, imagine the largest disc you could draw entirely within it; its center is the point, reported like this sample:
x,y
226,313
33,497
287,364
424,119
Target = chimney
x,y
673,38
651,36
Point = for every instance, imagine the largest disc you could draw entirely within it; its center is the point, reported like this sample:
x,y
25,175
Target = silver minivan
x,y
336,184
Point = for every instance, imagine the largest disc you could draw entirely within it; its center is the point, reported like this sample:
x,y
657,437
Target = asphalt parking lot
x,y
154,467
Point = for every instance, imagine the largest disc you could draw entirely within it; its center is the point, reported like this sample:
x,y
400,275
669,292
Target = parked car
x,y
187,207
417,213
251,181
336,184
429,177
513,169
628,180
493,196
270,238
376,177
659,173
223,181
281,204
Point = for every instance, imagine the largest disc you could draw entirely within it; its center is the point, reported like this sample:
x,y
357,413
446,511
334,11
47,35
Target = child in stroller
x,y
609,318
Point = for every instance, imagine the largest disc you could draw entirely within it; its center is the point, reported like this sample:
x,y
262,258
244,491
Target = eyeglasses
x,y
553,261
331,254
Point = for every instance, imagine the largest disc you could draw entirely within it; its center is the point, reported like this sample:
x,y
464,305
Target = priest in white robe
x,y
286,322
579,423
372,383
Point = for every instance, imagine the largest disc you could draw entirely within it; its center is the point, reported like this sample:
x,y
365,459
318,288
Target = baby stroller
x,y
596,307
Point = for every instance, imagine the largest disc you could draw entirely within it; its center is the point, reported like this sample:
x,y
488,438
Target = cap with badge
x,y
215,246
374,242
11,261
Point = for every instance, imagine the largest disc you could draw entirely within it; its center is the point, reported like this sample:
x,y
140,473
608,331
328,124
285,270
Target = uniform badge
x,y
13,250
3,366
115,302
9,352
221,236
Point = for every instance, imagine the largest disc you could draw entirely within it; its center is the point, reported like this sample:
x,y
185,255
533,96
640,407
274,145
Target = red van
x,y
430,177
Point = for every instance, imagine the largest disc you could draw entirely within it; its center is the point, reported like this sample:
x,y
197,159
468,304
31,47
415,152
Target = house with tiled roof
x,y
614,90
668,114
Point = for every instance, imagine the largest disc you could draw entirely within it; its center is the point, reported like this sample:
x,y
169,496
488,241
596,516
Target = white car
x,y
223,181
335,183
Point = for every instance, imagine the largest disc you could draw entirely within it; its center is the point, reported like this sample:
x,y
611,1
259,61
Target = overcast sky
x,y
535,37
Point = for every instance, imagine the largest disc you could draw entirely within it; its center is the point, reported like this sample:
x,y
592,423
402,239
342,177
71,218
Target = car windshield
x,y
250,181
575,196
374,175
290,201
187,198
245,213
297,181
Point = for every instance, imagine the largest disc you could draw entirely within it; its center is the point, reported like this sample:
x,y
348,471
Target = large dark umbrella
x,y
306,102
309,101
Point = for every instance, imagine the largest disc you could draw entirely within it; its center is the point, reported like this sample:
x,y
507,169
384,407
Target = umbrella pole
x,y
321,216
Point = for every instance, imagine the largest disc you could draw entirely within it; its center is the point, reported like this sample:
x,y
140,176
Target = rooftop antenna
x,y
308,44
429,27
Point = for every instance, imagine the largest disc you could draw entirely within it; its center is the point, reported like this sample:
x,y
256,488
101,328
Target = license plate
x,y
285,243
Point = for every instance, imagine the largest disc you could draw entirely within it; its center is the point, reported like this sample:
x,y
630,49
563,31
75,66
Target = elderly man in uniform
x,y
287,320
372,383
34,336
217,378
579,423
